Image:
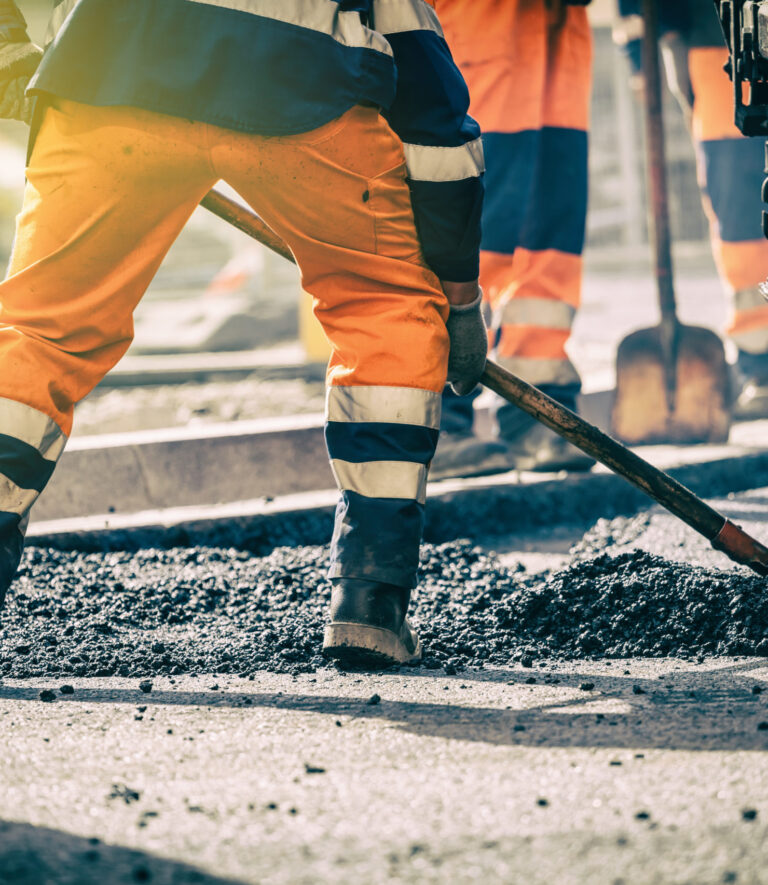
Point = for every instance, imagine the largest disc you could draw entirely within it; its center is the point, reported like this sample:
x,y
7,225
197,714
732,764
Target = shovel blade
x,y
702,401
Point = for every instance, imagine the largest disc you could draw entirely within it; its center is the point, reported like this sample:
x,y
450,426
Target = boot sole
x,y
367,647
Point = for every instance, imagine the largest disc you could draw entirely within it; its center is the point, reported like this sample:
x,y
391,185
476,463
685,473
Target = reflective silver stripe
x,y
14,499
315,15
392,405
748,299
427,163
58,17
399,16
753,341
541,371
627,29
31,427
541,312
322,16
382,479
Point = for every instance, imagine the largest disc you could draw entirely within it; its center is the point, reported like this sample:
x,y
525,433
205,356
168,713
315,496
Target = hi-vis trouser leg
x,y
731,175
108,191
528,67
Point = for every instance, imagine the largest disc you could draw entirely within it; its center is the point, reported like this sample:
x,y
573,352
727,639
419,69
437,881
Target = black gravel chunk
x,y
145,686
749,813
762,726
47,695
313,769
587,686
637,690
67,689
124,792
373,700
214,610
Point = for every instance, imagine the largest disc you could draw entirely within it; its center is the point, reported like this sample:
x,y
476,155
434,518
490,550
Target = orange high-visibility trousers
x,y
528,67
108,191
731,174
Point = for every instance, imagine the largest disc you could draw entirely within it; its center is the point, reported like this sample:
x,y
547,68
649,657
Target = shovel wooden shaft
x,y
667,491
658,196
248,222
585,436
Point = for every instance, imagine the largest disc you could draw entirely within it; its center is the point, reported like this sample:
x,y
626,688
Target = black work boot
x,y
11,549
368,626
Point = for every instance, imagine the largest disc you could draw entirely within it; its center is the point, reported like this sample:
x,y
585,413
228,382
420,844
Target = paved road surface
x,y
658,773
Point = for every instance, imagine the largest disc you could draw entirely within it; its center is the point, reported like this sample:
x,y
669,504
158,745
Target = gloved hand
x,y
19,59
469,345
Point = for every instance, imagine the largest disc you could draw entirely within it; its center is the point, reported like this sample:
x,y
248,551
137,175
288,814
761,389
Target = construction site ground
x,y
542,769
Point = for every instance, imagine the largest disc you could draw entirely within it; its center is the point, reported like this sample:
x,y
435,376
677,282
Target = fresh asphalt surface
x,y
565,771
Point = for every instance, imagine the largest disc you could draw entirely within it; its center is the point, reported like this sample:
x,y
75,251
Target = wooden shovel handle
x,y
671,494
248,222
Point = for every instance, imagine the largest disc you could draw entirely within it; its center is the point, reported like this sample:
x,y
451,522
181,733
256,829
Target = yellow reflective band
x,y
322,16
541,312
382,479
390,405
14,499
58,17
31,427
426,163
399,16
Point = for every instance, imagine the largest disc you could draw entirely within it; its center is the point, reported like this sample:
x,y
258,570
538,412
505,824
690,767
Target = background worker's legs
x,y
528,67
108,191
731,174
338,196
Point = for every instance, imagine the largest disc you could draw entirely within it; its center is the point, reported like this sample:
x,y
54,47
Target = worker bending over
x,y
344,125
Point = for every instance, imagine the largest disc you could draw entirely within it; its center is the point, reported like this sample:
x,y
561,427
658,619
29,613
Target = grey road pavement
x,y
657,774
583,772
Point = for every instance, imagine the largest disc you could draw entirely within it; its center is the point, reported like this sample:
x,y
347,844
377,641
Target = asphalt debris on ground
x,y
213,610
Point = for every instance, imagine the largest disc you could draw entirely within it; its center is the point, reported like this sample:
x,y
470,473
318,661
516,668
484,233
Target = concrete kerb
x,y
478,508
143,370
178,467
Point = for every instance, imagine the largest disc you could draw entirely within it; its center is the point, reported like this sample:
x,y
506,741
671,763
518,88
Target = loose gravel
x,y
214,610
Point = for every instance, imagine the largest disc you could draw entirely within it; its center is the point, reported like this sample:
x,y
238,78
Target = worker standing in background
x,y
730,169
528,65
142,107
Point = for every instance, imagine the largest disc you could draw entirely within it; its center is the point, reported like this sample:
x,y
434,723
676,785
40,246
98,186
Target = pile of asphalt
x,y
214,610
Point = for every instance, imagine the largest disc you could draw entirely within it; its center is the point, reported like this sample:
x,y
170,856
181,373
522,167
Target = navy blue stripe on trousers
x,y
380,441
23,464
11,549
734,176
377,538
536,190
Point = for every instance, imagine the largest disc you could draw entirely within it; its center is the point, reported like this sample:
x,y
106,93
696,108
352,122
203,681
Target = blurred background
x,y
225,333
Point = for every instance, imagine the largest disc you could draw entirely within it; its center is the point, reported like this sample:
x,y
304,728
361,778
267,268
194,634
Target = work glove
x,y
469,345
19,59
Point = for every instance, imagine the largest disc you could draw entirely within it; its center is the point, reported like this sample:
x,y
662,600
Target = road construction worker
x,y
344,125
730,169
528,65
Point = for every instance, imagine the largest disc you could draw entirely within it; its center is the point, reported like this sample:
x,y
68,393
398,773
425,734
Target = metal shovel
x,y
672,380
